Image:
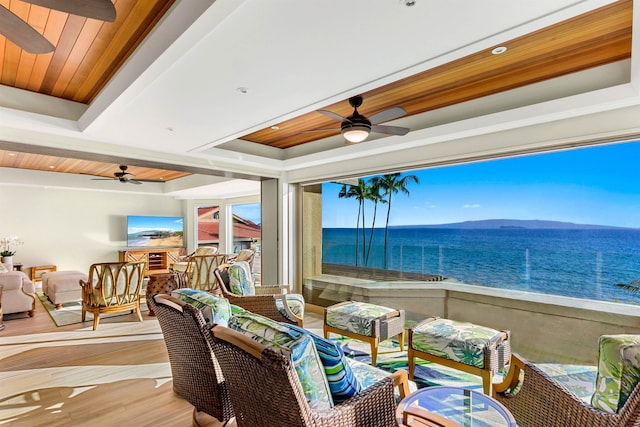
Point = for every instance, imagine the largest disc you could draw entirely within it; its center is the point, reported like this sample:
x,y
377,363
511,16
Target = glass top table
x,y
465,407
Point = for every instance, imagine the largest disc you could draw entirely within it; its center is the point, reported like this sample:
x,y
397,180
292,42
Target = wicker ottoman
x,y
460,345
365,322
63,286
160,283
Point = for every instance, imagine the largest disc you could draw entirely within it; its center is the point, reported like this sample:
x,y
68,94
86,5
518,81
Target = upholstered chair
x,y
279,384
18,294
181,266
112,287
199,273
236,284
196,374
537,400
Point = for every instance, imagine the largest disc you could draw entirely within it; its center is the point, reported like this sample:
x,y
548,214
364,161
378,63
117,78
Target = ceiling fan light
x,y
356,132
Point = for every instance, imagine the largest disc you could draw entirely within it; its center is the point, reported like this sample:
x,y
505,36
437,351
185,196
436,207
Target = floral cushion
x,y
458,341
295,302
342,382
618,371
355,316
240,279
294,344
215,309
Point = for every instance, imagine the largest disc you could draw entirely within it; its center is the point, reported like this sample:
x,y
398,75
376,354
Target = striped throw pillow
x,y
343,384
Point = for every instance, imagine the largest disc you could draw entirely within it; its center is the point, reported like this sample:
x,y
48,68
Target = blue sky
x,y
249,211
598,185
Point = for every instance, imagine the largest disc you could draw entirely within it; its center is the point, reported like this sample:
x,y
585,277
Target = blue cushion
x,y
343,384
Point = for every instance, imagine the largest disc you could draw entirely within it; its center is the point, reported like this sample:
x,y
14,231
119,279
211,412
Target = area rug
x,y
390,359
71,312
579,379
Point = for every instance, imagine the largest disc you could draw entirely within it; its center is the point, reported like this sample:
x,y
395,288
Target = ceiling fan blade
x,y
22,34
104,10
333,115
390,130
386,115
133,181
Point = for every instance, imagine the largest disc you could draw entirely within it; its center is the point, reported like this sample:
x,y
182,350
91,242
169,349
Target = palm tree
x,y
373,194
358,192
633,286
392,184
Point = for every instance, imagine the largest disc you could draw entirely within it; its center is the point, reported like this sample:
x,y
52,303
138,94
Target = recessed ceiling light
x,y
498,50
52,167
275,127
12,154
243,89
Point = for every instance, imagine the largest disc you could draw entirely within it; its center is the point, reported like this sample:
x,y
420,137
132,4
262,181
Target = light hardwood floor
x,y
116,376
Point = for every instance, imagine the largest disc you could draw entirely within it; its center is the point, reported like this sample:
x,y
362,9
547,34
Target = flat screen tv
x,y
155,231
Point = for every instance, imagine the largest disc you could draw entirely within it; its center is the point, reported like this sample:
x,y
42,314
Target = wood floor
x,y
116,376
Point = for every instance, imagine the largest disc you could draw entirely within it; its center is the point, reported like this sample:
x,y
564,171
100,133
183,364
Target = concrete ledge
x,y
545,328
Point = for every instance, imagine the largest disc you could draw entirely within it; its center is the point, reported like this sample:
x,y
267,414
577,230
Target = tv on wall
x,y
155,231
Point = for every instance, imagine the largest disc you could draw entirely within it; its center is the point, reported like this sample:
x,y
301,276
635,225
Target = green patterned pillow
x,y
300,347
240,279
343,384
296,304
618,371
214,309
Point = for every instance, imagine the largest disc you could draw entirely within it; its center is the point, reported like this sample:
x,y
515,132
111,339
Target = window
x,y
563,223
208,226
246,226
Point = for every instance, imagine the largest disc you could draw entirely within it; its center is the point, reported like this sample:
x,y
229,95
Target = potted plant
x,y
6,253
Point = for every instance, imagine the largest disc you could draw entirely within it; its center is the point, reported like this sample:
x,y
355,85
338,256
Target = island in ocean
x,y
531,224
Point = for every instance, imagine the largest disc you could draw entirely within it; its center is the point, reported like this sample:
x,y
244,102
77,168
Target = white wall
x,y
73,229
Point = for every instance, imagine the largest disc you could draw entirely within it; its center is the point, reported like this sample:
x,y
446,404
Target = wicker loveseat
x,y
537,400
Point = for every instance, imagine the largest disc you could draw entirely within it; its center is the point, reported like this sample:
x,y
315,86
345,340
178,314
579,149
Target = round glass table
x,y
465,407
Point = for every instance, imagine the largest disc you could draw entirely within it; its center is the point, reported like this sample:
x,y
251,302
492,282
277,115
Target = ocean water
x,y
576,263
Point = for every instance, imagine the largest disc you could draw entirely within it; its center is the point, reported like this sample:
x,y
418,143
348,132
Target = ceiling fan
x,y
27,38
356,127
126,177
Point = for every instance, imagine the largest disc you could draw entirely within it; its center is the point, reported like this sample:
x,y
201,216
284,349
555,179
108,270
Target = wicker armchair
x,y
542,402
199,272
112,287
196,374
269,301
265,389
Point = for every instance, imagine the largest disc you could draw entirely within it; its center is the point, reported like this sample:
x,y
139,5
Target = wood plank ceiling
x,y
89,52
593,39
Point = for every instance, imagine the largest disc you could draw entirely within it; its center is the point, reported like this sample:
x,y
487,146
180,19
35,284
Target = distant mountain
x,y
515,223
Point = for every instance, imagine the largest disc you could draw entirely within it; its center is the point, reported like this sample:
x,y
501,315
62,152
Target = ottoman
x,y
63,286
365,322
475,349
160,283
